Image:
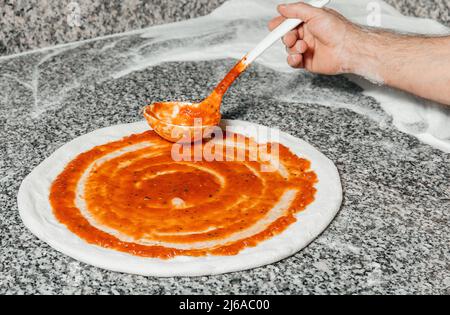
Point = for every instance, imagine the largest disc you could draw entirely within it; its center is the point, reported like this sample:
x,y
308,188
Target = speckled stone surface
x,y
31,24
438,10
391,235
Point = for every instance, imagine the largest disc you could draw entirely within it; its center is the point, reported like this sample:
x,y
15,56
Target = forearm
x,y
420,65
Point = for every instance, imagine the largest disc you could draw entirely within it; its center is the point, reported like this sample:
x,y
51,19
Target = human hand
x,y
323,43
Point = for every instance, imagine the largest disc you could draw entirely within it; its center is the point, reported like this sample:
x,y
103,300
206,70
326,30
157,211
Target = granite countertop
x,y
391,235
32,24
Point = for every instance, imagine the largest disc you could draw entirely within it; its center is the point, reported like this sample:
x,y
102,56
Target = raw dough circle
x,y
36,212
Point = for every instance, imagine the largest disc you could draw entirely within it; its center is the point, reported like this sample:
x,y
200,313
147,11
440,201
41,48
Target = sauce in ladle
x,y
173,120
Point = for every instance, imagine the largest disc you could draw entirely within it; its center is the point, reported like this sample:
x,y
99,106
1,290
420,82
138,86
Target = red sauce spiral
x,y
131,196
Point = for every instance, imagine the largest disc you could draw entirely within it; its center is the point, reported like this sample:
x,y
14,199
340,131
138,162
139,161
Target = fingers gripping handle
x,y
279,32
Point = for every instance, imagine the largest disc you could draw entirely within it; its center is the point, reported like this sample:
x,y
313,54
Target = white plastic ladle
x,y
161,116
277,33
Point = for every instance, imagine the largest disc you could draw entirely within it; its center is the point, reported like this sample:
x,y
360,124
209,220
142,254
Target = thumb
x,y
299,10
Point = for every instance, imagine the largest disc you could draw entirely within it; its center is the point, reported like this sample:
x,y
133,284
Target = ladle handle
x,y
279,32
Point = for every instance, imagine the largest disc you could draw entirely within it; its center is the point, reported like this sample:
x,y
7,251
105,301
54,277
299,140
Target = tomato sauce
x,y
131,196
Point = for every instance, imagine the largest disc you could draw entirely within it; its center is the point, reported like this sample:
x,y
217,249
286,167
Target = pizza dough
x,y
37,214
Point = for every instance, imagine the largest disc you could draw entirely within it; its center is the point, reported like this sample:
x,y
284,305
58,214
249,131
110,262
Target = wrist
x,y
362,46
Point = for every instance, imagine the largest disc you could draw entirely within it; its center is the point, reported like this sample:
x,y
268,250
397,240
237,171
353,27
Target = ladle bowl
x,y
179,133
